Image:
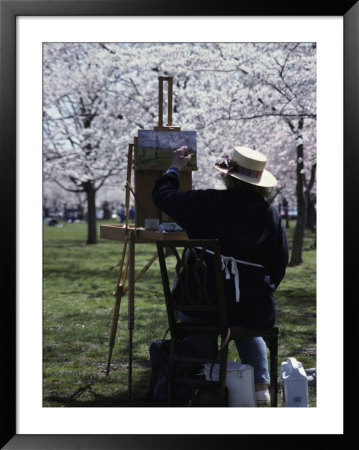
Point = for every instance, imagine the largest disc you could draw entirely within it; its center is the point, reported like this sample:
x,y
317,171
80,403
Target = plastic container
x,y
239,382
294,384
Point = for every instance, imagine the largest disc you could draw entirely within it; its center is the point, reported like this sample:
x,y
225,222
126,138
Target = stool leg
x,y
273,350
171,373
223,363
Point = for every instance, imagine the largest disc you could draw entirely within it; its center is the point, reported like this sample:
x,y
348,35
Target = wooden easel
x,y
129,239
137,234
169,126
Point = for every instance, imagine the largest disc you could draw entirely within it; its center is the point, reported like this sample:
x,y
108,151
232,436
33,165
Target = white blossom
x,y
97,97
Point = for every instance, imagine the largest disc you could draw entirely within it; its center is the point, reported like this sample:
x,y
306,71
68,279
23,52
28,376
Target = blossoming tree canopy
x,y
97,96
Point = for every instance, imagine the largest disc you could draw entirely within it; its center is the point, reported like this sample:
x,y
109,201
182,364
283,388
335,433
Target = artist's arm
x,y
166,195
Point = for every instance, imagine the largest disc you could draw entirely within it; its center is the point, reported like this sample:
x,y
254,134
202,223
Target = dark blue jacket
x,y
248,229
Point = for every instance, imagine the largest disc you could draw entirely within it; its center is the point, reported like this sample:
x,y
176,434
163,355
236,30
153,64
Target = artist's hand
x,y
180,157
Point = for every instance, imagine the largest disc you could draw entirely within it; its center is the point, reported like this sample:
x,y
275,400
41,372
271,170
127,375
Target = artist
x,y
249,230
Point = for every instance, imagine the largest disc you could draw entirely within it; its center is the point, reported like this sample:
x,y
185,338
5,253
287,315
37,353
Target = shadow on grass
x,y
65,243
72,272
98,400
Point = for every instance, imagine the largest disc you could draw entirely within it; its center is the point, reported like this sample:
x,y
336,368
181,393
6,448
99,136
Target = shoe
x,y
262,398
312,378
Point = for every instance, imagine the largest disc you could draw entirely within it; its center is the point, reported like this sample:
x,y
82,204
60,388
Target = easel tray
x,y
118,233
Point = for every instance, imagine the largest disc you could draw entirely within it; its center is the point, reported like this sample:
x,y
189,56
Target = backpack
x,y
159,358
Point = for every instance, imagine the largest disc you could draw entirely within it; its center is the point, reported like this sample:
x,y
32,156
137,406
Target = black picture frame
x,y
9,10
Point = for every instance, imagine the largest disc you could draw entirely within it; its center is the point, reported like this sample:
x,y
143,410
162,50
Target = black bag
x,y
159,357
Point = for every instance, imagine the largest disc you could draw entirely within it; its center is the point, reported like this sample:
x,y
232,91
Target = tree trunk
x,y
311,213
91,213
311,201
297,245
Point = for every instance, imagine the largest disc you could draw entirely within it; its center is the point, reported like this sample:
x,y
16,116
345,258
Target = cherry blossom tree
x,y
261,95
86,119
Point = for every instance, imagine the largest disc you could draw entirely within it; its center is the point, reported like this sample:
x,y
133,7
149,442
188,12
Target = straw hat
x,y
247,165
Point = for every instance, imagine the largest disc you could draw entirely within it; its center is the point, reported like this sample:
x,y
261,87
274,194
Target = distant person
x,y
253,246
286,214
120,213
123,214
52,222
131,213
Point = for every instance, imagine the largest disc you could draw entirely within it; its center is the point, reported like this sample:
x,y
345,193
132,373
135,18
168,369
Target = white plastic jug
x,y
239,382
294,384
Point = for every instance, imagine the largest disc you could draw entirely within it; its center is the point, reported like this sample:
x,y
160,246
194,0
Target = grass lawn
x,y
78,283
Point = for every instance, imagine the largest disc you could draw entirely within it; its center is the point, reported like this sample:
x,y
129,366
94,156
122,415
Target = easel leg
x,y
120,284
131,307
116,314
119,293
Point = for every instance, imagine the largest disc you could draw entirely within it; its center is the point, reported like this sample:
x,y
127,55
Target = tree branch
x,y
65,188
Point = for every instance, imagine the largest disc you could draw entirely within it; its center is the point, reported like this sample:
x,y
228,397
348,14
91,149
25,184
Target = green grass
x,y
78,285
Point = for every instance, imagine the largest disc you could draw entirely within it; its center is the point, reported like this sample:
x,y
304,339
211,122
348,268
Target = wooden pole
x,y
124,248
116,313
169,126
143,271
160,102
131,306
129,170
119,292
170,84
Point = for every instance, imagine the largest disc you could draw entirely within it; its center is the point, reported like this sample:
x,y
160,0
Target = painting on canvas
x,y
155,148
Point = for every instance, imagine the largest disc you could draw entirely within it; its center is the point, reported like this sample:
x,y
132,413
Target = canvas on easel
x,y
155,148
